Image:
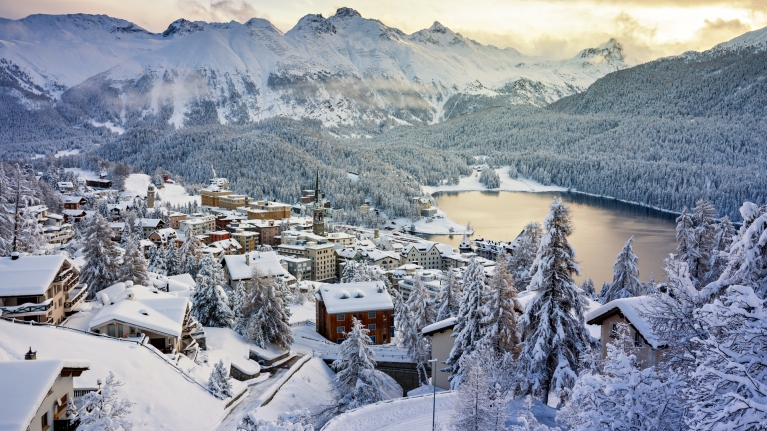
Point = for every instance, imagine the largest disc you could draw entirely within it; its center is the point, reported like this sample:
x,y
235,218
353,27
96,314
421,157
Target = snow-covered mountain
x,y
341,70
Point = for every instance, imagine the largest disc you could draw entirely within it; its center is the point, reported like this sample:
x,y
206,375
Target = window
x,y
373,339
371,314
614,330
340,340
372,327
111,330
120,331
340,317
637,339
341,329
44,421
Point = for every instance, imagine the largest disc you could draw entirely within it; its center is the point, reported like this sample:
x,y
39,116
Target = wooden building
x,y
368,302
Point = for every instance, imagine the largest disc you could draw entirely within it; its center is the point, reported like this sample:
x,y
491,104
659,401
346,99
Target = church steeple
x,y
318,219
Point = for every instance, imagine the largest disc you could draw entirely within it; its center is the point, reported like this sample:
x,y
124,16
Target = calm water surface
x,y
601,227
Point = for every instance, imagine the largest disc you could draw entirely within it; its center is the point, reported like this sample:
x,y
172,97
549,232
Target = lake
x,y
601,227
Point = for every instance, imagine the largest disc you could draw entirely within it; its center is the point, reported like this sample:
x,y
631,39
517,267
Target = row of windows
x,y
342,329
342,317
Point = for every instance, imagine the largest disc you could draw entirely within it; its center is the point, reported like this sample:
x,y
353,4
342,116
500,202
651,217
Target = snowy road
x,y
254,394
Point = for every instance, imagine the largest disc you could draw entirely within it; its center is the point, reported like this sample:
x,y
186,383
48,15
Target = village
x,y
335,280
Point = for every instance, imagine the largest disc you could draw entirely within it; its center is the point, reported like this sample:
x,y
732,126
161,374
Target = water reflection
x,y
602,226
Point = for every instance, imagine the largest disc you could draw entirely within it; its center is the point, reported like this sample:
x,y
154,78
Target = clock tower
x,y
318,219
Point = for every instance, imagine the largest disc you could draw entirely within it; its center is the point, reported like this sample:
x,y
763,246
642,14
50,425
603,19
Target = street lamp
x,y
434,393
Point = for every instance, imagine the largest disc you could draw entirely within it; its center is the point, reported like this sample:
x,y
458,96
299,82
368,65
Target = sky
x,y
647,29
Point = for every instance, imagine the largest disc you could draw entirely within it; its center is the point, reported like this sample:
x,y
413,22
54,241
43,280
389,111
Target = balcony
x,y
27,309
75,297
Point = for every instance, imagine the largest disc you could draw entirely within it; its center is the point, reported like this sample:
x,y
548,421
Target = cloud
x,y
220,11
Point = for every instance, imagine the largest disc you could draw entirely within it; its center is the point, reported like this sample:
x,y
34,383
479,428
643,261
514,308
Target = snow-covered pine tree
x,y
520,262
489,178
448,299
747,261
468,330
553,327
626,396
421,313
686,248
268,318
218,383
237,306
209,302
357,382
472,409
704,218
102,265
103,410
157,260
189,253
7,213
588,289
134,263
18,191
626,282
728,389
500,318
172,259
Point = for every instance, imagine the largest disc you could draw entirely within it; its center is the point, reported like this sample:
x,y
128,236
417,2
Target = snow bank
x,y
412,413
164,399
471,184
309,388
234,346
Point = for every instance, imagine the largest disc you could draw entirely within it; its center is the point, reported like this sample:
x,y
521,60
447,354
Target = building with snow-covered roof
x,y
199,225
39,288
240,267
148,225
432,279
631,311
72,202
163,237
38,392
424,253
65,186
129,310
369,302
442,342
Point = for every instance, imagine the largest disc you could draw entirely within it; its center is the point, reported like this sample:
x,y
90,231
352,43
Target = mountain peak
x,y
182,26
610,52
438,28
347,12
315,23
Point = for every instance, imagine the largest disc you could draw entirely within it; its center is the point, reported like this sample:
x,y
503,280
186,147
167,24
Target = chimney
x,y
30,355
247,259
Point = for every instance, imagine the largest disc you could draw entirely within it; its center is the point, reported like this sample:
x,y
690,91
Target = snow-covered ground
x,y
439,225
307,340
137,185
233,346
309,388
471,183
303,312
164,399
85,175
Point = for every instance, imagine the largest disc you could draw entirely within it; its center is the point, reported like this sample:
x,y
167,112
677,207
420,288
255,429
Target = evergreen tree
x,y
626,396
626,282
268,316
103,411
102,258
218,383
705,219
554,331
134,264
448,300
420,313
172,259
157,260
521,261
472,409
189,254
237,304
357,382
686,249
588,289
468,330
728,389
209,302
500,317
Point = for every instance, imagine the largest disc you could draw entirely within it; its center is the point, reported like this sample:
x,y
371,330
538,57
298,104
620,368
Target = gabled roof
x,y
354,297
72,199
435,327
28,275
147,222
267,263
29,383
633,310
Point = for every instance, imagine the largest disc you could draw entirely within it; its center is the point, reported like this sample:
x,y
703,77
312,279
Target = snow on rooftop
x,y
152,310
28,275
633,310
29,382
234,346
165,400
436,326
353,297
267,263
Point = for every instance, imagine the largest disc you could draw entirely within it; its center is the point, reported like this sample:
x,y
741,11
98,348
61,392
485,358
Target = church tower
x,y
150,192
318,219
